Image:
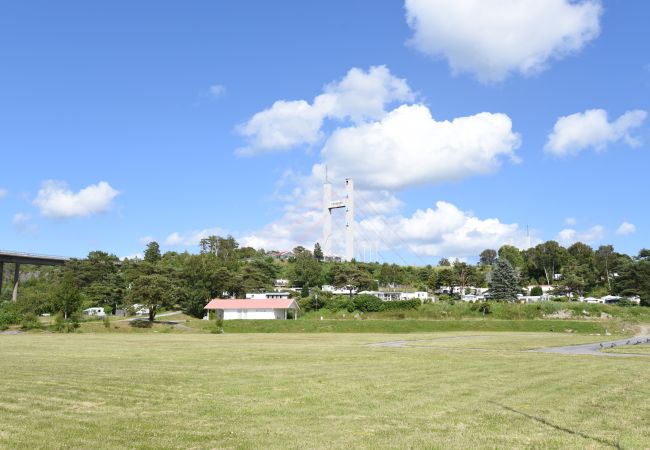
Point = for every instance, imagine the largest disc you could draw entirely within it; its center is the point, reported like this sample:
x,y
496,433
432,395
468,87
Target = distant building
x,y
258,309
396,296
97,312
336,291
267,295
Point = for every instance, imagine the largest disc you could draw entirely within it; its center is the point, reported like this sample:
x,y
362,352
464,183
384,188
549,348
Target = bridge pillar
x,y
2,275
14,296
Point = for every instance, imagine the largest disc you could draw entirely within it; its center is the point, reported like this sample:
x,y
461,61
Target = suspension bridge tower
x,y
328,206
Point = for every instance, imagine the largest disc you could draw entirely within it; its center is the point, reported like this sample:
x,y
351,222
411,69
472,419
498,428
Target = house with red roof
x,y
259,309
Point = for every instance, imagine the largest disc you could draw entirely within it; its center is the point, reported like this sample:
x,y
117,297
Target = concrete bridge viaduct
x,y
18,258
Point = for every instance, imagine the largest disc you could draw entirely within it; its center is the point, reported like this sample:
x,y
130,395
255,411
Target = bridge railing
x,y
33,255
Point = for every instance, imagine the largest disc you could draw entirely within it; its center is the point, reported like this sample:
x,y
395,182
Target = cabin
x,y
98,312
258,309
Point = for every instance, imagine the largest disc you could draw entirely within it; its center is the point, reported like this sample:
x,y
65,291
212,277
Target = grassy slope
x,y
314,391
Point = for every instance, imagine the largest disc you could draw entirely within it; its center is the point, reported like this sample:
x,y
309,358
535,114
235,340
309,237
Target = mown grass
x,y
300,391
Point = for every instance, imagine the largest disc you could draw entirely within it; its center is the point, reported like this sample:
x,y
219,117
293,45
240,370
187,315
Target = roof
x,y
249,303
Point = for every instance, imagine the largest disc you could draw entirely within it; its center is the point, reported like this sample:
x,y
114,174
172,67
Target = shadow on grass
x,y
559,427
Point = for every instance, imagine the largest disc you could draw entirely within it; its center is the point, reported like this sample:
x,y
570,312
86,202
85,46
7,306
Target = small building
x,y
267,295
98,312
259,309
386,296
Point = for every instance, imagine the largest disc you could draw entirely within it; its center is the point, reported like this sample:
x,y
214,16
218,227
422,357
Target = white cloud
x,y
358,96
217,90
56,200
191,238
491,38
444,230
22,222
570,221
409,147
577,132
146,240
626,228
570,236
3,193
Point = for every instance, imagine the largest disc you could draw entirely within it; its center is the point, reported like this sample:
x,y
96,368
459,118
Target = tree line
x,y
224,268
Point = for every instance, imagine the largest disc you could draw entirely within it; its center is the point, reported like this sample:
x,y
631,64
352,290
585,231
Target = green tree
x,y
152,253
444,262
318,252
487,257
604,256
548,258
513,255
634,278
153,292
505,281
350,277
66,297
306,269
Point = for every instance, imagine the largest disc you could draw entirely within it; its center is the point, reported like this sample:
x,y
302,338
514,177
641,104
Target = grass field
x,y
318,390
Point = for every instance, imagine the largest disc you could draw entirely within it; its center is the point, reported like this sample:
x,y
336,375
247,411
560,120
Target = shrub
x,y
339,303
536,291
367,303
107,322
8,315
217,326
30,322
58,323
401,304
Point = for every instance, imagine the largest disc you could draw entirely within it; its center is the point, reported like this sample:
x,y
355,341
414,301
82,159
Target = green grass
x,y
641,349
240,391
351,325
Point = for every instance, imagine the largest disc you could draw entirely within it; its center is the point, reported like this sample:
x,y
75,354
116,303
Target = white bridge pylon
x,y
328,206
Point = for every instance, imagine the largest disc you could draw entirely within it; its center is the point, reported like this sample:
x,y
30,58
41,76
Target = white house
x,y
337,291
267,295
394,296
99,312
261,309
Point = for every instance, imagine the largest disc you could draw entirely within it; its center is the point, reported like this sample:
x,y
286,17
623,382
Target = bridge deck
x,y
31,258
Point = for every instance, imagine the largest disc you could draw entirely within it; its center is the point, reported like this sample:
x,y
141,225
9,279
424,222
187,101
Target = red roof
x,y
245,303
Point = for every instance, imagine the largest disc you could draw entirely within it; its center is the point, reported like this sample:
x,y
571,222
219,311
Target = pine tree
x,y
318,252
505,281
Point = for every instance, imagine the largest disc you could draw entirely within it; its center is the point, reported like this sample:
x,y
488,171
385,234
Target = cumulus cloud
x,y
191,238
445,230
570,236
626,228
492,38
360,95
56,200
409,147
592,129
3,193
22,222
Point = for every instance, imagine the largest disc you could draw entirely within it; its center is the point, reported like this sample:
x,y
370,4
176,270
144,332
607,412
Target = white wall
x,y
257,314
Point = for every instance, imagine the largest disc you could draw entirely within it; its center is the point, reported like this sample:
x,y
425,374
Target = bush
x,y
107,322
536,291
217,326
339,303
30,322
367,303
58,323
8,315
62,325
483,308
401,304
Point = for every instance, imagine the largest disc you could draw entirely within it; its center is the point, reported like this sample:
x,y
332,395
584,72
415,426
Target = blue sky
x,y
139,112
